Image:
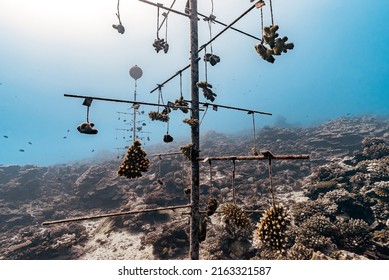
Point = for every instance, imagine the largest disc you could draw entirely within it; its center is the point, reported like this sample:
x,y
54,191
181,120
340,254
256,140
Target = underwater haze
x,y
339,66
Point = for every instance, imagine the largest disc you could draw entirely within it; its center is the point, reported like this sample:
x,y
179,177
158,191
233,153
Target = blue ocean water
x,y
339,67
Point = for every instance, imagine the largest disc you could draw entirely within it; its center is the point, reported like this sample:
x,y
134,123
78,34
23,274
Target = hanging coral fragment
x,y
160,44
207,90
272,227
135,162
87,128
181,104
160,116
119,27
213,59
212,206
275,45
191,122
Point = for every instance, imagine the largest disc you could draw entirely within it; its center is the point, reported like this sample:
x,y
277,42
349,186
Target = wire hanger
x,y
119,27
87,127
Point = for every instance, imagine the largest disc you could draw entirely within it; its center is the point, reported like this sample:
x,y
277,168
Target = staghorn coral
x,y
272,227
375,148
314,190
305,210
299,252
317,233
354,235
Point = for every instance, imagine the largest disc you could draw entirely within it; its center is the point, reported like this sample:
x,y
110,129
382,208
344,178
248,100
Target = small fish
x,y
93,150
21,150
30,143
65,137
68,130
5,136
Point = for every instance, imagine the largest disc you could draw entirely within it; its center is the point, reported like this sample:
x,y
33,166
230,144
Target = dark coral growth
x,y
135,162
348,202
272,227
234,216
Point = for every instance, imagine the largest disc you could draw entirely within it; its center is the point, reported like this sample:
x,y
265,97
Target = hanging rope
x,y
119,27
206,66
181,85
87,114
271,13
158,28
254,150
210,174
233,182
205,112
210,21
271,183
262,26
159,181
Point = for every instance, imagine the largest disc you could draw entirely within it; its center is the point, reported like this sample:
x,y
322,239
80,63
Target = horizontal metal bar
x,y
233,108
232,28
227,27
126,101
161,6
172,77
78,219
167,154
291,157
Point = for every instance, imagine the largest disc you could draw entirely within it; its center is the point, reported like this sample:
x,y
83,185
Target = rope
x,y
163,21
166,28
262,21
181,84
271,13
118,13
210,174
271,183
205,112
158,22
255,145
87,114
233,182
206,66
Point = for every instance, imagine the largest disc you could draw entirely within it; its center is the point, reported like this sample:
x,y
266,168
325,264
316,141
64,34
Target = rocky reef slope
x,y
336,202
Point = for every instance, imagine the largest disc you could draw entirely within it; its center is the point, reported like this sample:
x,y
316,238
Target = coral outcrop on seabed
x,y
336,202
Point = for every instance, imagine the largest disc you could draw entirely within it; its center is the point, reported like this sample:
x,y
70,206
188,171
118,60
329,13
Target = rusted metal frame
x,y
117,214
194,244
172,77
203,46
128,101
161,6
226,28
290,157
249,111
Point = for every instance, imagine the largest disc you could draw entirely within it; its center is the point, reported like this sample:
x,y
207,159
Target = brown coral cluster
x,y
276,46
159,116
272,227
135,162
234,215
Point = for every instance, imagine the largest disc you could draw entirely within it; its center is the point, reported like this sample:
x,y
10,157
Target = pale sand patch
x,y
104,244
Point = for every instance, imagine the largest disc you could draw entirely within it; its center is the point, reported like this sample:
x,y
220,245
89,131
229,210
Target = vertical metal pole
x,y
134,106
195,135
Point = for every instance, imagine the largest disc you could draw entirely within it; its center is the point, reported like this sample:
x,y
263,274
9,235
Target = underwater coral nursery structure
x,y
136,162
